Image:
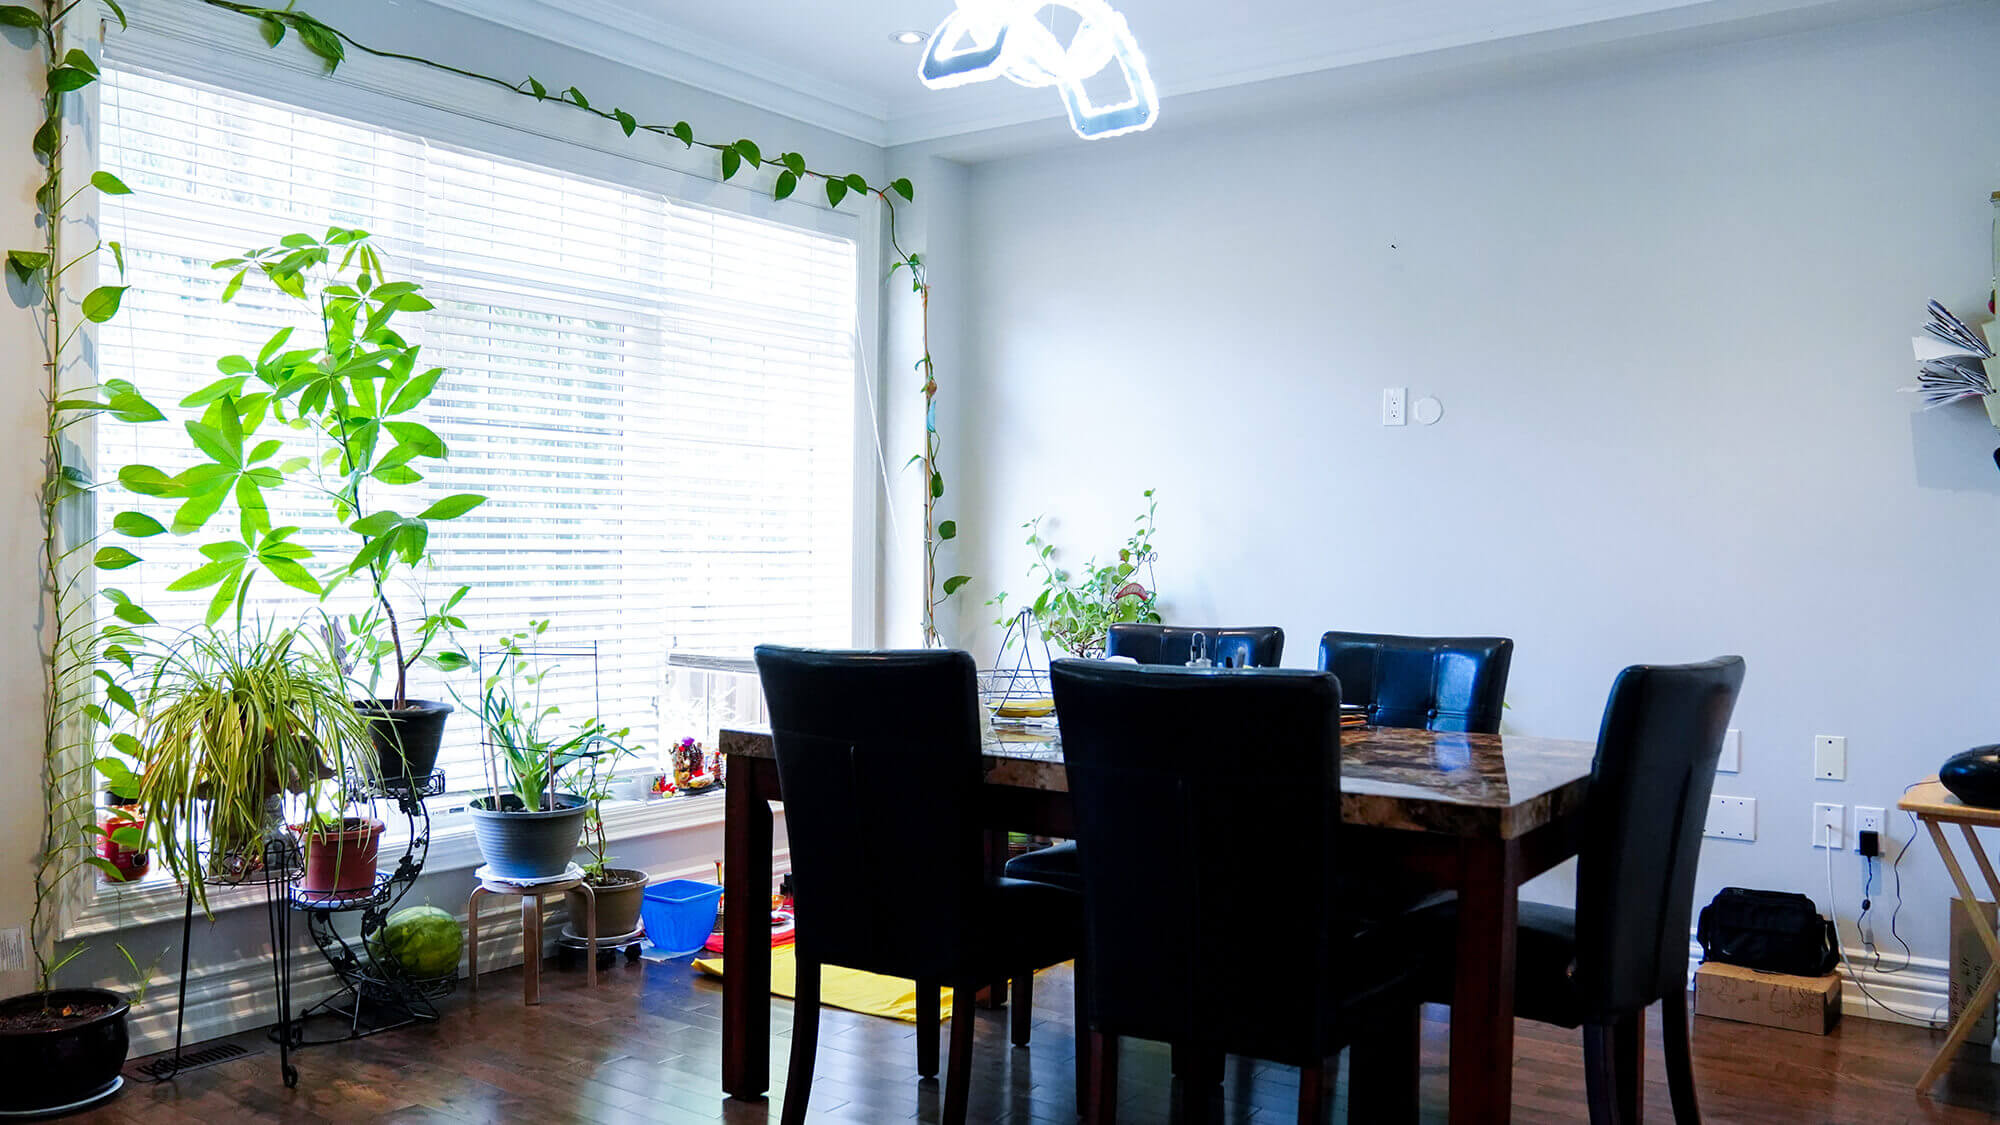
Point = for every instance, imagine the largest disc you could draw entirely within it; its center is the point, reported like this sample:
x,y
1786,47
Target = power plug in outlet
x,y
1870,819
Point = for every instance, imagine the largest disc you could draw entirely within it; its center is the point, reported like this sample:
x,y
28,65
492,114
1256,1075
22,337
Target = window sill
x,y
118,907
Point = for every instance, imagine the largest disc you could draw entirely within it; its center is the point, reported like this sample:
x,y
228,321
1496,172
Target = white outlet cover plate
x,y
1731,760
1828,825
1867,818
13,950
1731,818
1394,412
1830,757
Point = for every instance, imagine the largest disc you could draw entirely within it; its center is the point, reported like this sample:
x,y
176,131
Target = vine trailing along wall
x,y
83,696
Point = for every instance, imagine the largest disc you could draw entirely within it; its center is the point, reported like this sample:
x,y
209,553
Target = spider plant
x,y
229,720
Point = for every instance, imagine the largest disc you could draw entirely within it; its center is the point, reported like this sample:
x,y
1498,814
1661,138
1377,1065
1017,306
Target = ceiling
x,y
833,64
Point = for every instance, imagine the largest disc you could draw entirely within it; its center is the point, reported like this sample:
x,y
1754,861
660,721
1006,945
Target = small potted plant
x,y
121,839
618,892
341,851
526,828
1078,613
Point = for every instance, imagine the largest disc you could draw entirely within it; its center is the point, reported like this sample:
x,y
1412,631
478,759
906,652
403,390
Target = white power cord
x,y
1932,1020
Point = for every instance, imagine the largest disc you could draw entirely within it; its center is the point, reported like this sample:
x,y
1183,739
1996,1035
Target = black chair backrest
x,y
1207,809
1250,646
1431,683
879,764
1649,790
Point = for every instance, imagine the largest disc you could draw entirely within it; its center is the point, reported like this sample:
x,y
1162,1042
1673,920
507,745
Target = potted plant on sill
x,y
617,892
341,850
526,828
344,408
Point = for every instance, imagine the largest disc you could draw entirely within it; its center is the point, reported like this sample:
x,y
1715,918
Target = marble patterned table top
x,y
1487,785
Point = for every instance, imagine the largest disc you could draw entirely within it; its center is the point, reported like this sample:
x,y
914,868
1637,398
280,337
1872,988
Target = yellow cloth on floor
x,y
852,989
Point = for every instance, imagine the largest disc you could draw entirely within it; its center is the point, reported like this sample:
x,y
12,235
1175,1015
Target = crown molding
x,y
657,47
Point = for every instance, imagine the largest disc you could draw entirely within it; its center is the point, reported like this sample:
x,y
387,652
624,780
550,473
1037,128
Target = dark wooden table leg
x,y
746,929
1482,1003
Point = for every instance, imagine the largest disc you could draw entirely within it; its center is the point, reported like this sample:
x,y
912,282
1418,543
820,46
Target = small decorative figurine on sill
x,y
695,769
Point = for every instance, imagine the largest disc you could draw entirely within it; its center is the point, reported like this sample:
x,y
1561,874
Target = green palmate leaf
x,y
273,30
206,575
836,190
109,184
14,15
117,253
948,529
131,406
198,509
414,392
626,121
221,388
113,558
421,440
904,188
132,614
101,303
952,584
397,474
731,161
138,525
148,481
235,283
292,574
225,593
684,133
64,79
450,508
787,183
750,151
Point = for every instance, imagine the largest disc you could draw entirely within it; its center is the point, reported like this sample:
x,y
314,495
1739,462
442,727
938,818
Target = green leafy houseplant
x,y
1077,612
231,720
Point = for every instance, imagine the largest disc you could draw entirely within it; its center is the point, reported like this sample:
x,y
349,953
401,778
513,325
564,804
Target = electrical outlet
x,y
13,950
1870,819
1731,760
1731,818
1827,825
1393,412
1830,757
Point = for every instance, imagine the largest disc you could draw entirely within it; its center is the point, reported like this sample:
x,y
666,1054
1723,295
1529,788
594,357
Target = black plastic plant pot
x,y
406,739
60,1048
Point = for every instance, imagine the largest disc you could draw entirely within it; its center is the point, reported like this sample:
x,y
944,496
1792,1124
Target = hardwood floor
x,y
645,1045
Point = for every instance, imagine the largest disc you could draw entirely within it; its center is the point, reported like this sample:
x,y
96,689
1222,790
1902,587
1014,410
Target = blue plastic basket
x,y
679,914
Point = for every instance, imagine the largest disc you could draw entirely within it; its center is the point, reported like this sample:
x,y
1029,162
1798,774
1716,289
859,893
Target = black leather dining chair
x,y
880,769
1209,855
1253,646
1431,683
1625,945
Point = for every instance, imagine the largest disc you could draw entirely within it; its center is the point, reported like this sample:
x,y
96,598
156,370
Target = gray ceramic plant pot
x,y
619,897
523,845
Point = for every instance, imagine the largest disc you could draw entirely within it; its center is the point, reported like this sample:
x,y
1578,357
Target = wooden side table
x,y
530,894
1934,805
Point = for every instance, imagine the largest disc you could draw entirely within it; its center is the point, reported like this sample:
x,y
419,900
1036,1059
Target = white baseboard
x,y
1910,993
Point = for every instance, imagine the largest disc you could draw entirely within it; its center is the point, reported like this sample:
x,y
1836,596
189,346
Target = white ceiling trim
x,y
659,48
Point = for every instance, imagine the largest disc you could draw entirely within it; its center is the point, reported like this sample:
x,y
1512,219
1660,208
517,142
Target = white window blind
x,y
657,398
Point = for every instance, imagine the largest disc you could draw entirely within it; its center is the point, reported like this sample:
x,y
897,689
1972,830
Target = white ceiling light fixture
x,y
984,39
909,38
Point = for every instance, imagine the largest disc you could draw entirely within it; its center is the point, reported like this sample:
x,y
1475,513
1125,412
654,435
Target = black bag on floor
x,y
1771,931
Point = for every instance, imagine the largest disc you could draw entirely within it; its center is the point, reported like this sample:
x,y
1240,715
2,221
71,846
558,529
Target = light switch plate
x,y
1731,818
1830,757
1731,760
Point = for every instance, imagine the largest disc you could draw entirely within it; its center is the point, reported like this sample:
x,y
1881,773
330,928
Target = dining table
x,y
1479,814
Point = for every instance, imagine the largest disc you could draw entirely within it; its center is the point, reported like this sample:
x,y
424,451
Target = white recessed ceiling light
x,y
910,38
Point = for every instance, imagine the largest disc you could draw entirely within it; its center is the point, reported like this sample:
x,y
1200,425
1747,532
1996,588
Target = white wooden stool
x,y
530,893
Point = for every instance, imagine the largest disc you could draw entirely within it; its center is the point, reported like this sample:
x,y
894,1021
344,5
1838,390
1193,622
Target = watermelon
x,y
424,940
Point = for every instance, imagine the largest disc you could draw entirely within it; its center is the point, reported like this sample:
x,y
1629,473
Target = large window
x,y
658,398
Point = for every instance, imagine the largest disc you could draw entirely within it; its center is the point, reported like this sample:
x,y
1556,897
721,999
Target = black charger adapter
x,y
1871,843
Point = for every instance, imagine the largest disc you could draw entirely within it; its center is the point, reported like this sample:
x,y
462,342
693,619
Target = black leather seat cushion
x,y
1057,864
1033,925
1544,960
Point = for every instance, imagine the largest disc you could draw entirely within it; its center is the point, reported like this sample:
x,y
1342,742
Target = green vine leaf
x,y
64,79
48,136
952,584
937,485
786,185
855,182
795,162
626,121
138,525
536,88
904,188
948,529
273,30
119,12
14,15
114,558
320,40
731,161
750,152
836,191
101,304
110,185
684,132
117,255
81,60
576,95
25,263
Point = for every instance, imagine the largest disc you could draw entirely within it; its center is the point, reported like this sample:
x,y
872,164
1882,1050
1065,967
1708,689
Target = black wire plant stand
x,y
377,992
276,868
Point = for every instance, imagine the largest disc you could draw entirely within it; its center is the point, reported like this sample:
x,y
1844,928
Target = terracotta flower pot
x,y
342,862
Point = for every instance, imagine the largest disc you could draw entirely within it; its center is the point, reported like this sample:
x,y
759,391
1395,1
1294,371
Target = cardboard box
x,y
1732,992
1969,962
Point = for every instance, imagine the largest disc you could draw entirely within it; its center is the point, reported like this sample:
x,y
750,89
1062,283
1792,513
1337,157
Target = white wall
x,y
1666,310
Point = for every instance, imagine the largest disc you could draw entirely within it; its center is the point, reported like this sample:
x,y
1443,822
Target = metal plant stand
x,y
377,993
276,870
